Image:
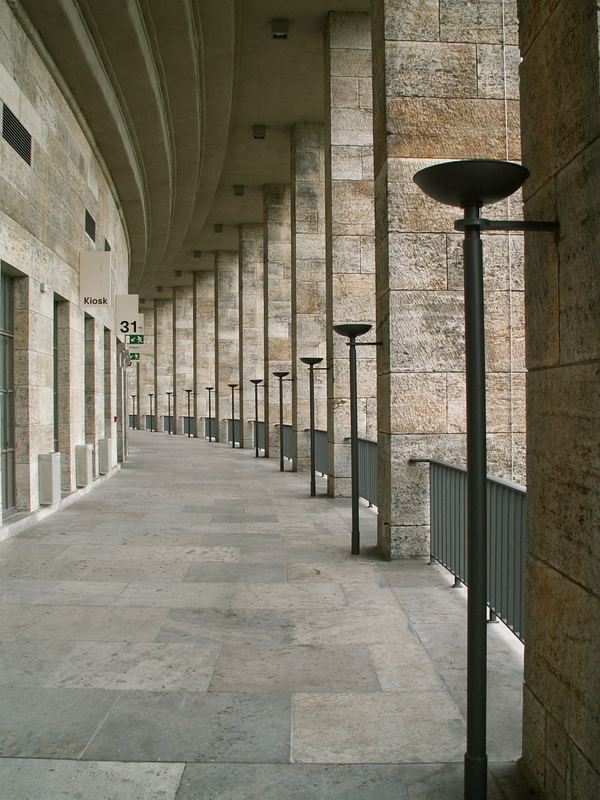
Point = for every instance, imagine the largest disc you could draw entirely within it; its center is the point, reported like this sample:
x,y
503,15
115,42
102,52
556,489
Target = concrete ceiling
x,y
170,91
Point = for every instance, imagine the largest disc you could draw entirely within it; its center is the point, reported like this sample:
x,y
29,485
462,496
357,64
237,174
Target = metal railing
x,y
236,430
149,422
506,509
288,442
210,427
189,425
133,420
367,470
321,451
167,423
260,434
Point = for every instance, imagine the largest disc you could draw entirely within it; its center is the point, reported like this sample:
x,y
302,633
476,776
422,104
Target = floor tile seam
x,y
100,724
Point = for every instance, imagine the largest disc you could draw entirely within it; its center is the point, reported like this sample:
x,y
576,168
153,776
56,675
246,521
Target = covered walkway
x,y
196,628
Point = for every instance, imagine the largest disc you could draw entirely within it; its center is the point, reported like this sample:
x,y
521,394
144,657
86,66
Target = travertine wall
x,y
94,385
42,212
445,87
308,279
146,371
205,342
277,309
560,104
252,323
183,355
163,359
226,337
350,228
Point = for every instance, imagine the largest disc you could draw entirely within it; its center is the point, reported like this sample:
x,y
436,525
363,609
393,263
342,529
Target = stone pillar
x,y
33,387
183,357
71,401
277,309
226,337
308,279
445,87
121,383
560,110
94,385
146,383
204,341
110,389
251,327
350,227
163,358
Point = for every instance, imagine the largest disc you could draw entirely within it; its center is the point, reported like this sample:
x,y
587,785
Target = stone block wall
x,y
252,323
204,283
445,87
183,351
226,337
350,227
560,105
163,358
146,372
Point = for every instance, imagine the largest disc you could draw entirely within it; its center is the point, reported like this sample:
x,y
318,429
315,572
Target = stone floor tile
x,y
288,596
136,666
264,571
37,779
333,572
176,538
184,726
176,595
368,595
16,618
351,626
144,554
233,626
294,668
377,728
404,667
81,623
122,571
29,663
52,592
433,604
50,723
291,782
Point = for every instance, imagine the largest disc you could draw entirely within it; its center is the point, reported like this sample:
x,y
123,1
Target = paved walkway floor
x,y
195,628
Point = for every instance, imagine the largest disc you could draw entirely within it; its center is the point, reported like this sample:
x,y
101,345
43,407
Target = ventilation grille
x,y
16,134
90,226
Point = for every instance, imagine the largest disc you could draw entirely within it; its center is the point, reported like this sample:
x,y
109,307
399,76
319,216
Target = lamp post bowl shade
x,y
232,385
311,360
474,182
280,374
352,329
209,388
256,381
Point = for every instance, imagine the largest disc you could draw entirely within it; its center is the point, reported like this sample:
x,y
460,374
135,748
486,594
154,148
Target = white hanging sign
x,y
94,279
127,315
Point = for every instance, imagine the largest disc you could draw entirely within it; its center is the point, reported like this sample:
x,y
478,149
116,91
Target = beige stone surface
x,y
227,363
251,327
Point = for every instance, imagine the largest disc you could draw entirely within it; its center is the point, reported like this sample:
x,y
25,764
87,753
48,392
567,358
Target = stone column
x,y
560,108
445,87
350,226
183,360
33,387
94,385
71,400
226,337
251,327
110,389
204,340
277,309
146,384
163,358
308,279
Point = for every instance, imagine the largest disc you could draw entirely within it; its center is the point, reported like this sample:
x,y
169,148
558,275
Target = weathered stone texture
x,y
183,352
277,287
226,337
204,283
444,88
251,328
308,270
163,358
146,371
350,251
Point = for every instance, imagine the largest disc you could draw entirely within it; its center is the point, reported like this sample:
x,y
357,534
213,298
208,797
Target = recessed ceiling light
x,y
259,131
239,190
218,228
280,28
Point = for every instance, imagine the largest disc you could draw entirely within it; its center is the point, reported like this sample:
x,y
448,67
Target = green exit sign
x,y
135,338
134,356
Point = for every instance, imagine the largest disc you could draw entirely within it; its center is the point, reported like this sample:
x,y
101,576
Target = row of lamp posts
x,y
468,185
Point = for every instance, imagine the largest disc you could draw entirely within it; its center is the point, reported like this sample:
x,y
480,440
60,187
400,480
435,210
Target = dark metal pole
x,y
151,414
281,467
189,392
313,480
209,414
354,447
169,410
232,417
475,756
256,381
133,409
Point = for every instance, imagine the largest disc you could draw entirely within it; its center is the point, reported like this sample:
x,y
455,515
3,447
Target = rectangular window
x,y
7,392
90,225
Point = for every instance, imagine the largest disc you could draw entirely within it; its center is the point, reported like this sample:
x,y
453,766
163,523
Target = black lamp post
x,y
470,185
189,394
256,382
312,361
351,330
281,376
232,386
150,395
209,389
169,410
134,426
